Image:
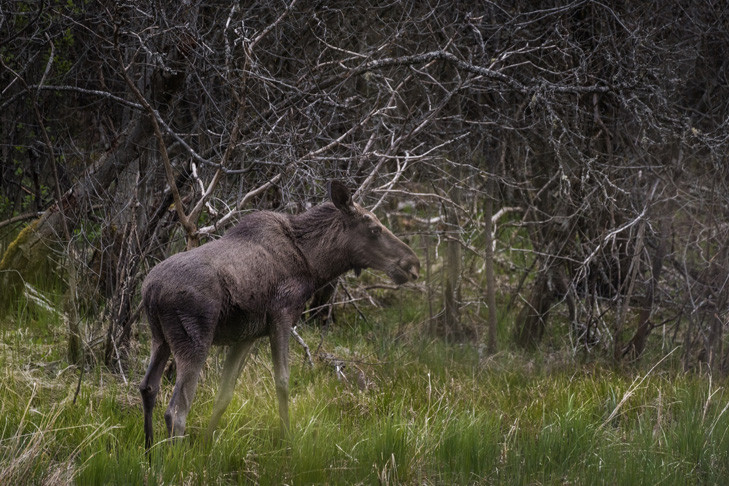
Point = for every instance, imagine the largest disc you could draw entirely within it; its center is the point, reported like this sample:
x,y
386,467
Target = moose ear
x,y
341,197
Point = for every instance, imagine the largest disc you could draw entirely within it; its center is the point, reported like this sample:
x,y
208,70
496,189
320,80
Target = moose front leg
x,y
237,355
280,353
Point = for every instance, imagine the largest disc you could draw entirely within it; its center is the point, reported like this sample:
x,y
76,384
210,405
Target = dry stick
x,y
354,304
400,170
20,217
301,341
220,222
611,236
74,89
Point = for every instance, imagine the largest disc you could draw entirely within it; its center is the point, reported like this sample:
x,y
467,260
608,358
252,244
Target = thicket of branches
x,y
593,135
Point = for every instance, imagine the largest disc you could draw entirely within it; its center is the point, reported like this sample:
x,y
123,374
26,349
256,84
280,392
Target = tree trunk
x,y
532,318
490,280
451,275
637,343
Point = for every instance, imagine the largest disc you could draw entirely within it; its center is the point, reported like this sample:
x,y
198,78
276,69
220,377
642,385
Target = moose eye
x,y
375,231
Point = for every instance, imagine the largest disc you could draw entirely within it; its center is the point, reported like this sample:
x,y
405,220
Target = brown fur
x,y
254,282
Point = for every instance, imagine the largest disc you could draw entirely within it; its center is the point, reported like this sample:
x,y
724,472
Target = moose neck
x,y
319,233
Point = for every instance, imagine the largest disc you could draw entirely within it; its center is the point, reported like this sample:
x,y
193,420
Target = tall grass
x,y
428,413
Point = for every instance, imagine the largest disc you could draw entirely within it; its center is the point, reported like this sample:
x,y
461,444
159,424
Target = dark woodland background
x,y
564,164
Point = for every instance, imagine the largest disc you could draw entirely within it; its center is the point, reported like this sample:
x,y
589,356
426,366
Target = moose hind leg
x,y
234,362
149,387
188,374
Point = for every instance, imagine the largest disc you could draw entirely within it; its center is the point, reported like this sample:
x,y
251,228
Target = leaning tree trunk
x,y
28,255
489,255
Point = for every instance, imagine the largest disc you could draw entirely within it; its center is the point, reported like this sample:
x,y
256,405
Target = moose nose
x,y
413,268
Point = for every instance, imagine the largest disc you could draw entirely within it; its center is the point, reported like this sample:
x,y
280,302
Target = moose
x,y
251,283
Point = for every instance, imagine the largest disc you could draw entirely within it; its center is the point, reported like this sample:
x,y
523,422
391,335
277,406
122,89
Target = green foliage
x,y
431,413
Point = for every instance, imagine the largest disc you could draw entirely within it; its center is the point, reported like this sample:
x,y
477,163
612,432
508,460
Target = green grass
x,y
431,413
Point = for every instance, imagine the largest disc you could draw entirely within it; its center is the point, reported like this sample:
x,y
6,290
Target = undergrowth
x,y
408,410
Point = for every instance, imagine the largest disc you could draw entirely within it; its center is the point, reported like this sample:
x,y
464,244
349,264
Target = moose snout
x,y
411,266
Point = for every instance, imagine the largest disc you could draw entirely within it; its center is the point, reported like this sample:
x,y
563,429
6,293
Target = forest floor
x,y
406,409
